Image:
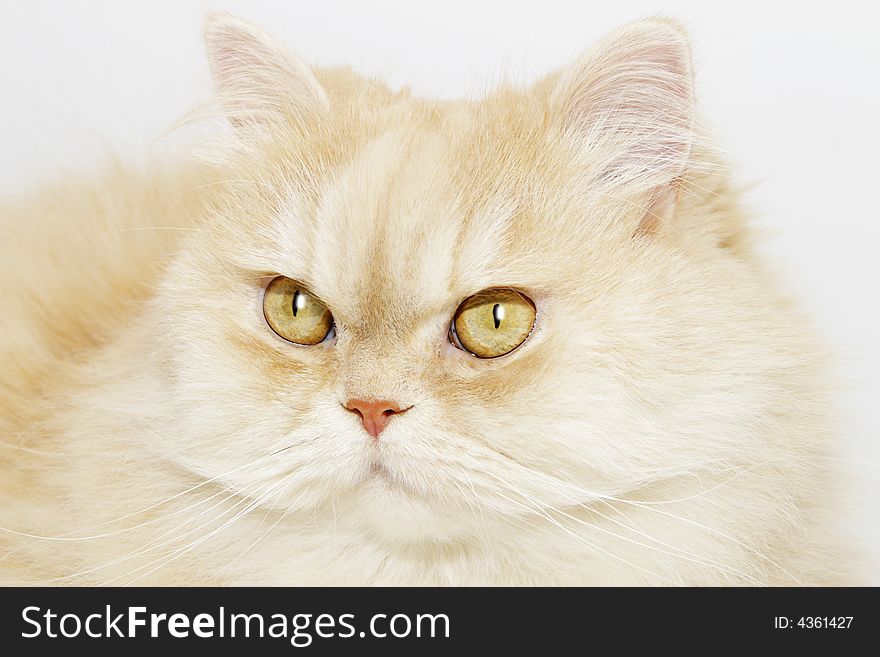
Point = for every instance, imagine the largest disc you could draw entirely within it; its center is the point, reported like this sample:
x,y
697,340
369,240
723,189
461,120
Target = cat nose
x,y
375,413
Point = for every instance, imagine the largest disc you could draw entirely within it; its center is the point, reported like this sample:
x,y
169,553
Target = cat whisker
x,y
711,530
740,472
225,181
550,480
479,507
677,551
156,542
65,538
153,545
177,553
278,521
29,450
577,537
148,228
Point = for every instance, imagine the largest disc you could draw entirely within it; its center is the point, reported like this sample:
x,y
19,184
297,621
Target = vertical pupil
x,y
299,300
497,314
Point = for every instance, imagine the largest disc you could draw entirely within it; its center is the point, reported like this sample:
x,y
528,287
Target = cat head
x,y
436,315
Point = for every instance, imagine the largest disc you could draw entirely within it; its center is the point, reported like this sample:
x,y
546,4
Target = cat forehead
x,y
396,224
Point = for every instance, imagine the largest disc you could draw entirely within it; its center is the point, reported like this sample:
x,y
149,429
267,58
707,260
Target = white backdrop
x,y
791,88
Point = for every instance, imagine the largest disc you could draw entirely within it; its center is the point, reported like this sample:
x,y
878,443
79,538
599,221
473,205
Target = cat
x,y
366,338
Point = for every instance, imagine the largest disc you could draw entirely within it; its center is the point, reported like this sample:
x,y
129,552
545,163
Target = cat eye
x,y
493,322
294,313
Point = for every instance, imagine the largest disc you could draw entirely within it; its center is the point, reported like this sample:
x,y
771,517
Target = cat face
x,y
392,212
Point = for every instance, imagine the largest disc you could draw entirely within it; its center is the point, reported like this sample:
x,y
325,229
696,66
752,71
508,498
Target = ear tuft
x,y
257,80
629,101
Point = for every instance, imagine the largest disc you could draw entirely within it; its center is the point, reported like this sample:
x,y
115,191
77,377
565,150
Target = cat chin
x,y
393,513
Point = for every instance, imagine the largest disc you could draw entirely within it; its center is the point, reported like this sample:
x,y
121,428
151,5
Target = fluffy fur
x,y
665,423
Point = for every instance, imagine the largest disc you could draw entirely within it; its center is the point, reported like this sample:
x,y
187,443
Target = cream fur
x,y
666,423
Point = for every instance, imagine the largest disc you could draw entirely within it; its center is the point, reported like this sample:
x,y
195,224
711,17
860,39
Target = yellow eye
x,y
493,322
294,313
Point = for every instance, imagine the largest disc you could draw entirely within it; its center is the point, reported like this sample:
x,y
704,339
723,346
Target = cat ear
x,y
628,103
257,80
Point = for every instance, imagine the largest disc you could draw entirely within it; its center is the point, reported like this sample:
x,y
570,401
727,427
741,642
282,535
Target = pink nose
x,y
375,413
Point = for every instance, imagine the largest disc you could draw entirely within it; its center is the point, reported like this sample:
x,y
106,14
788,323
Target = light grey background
x,y
791,89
